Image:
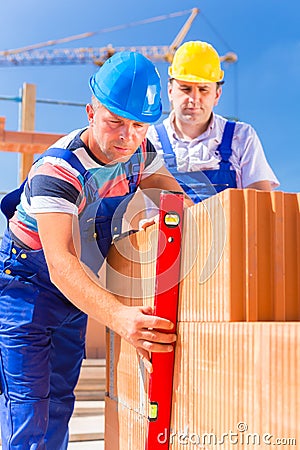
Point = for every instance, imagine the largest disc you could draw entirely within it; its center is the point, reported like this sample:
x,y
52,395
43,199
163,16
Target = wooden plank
x,y
88,408
26,142
89,428
27,124
92,381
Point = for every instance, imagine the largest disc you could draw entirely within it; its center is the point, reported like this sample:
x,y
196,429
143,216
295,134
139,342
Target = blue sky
x,y
262,88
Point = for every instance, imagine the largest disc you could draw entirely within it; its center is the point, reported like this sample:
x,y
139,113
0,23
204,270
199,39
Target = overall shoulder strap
x,y
168,152
225,146
67,156
133,170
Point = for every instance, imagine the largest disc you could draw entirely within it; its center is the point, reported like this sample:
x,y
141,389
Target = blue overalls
x,y
200,185
42,334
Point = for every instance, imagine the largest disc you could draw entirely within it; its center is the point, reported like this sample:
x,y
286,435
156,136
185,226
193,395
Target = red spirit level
x,y
166,302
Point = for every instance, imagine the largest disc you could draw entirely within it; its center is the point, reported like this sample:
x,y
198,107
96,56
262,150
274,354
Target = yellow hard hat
x,y
197,62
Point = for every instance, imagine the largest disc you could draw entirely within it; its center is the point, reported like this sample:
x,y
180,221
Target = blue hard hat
x,y
128,84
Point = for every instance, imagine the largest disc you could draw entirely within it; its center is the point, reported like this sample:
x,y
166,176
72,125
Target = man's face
x,y
113,138
193,102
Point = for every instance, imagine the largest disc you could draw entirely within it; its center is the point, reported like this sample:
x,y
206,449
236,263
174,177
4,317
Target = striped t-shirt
x,y
53,185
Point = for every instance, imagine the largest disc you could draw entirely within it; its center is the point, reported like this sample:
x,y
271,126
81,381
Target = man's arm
x,y
162,179
263,185
256,172
137,325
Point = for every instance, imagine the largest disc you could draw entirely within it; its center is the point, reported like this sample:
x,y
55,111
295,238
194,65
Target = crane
x,y
36,54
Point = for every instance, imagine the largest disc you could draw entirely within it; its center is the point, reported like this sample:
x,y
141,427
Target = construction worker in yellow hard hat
x,y
204,151
197,62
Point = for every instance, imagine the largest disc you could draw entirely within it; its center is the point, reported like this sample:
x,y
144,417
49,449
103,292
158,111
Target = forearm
x,y
137,325
80,286
263,185
162,180
59,234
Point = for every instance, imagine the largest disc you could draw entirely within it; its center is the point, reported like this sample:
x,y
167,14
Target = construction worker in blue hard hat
x,y
75,192
204,151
